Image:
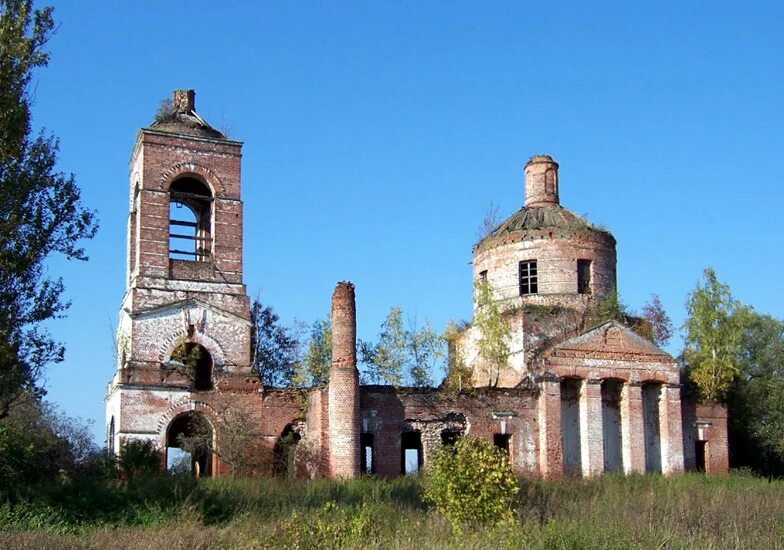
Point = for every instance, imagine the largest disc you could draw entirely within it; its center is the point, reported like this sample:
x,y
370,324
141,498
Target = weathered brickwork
x,y
344,386
571,400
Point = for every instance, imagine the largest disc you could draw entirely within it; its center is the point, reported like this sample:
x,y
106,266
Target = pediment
x,y
610,340
192,307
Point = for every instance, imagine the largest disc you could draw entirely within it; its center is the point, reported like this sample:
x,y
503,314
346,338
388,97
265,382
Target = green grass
x,y
688,511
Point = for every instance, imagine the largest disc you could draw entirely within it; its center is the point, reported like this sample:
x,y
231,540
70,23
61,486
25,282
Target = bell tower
x,y
184,326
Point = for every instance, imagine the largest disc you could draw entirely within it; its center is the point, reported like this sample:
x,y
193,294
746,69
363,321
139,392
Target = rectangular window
x,y
411,445
529,282
366,444
583,276
502,441
483,276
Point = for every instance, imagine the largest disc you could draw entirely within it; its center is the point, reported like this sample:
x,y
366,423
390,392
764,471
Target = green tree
x,y
40,210
458,376
714,328
386,360
472,482
494,333
756,398
425,351
313,369
273,348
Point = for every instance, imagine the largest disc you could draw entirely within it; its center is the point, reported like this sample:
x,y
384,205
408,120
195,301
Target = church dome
x,y
545,254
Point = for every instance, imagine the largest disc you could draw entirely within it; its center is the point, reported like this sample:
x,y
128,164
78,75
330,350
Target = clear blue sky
x,y
377,134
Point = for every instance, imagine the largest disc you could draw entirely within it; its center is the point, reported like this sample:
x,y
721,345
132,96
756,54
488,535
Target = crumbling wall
x,y
387,412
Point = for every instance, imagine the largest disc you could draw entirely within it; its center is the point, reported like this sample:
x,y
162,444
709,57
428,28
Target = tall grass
x,y
691,511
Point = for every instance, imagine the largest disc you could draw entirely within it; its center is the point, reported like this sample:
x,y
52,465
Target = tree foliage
x,y
472,482
386,359
494,333
490,221
426,350
756,398
458,375
40,443
41,212
714,328
661,325
274,350
313,369
402,355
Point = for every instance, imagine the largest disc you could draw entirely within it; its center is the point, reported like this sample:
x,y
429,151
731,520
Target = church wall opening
x,y
611,425
570,425
190,220
195,362
651,397
189,443
411,447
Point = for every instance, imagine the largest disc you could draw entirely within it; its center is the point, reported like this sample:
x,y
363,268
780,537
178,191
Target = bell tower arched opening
x,y
196,363
190,220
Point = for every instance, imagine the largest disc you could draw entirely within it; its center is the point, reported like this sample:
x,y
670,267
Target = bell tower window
x,y
190,220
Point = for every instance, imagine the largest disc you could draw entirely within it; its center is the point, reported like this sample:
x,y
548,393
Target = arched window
x,y
195,362
190,220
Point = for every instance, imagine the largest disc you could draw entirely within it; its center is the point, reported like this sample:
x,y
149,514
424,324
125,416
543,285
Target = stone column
x,y
549,419
632,428
591,436
671,429
343,408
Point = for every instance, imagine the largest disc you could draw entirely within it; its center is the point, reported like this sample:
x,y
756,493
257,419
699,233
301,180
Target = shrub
x,y
139,458
472,482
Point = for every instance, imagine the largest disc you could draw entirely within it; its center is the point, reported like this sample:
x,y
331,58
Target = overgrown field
x,y
609,512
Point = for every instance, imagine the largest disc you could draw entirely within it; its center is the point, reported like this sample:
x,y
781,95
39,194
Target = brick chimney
x,y
541,181
184,101
344,386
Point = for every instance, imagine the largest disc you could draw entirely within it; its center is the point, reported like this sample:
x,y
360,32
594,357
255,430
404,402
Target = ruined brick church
x,y
572,400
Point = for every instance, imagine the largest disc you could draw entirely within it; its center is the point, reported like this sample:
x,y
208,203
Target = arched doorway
x,y
284,452
189,443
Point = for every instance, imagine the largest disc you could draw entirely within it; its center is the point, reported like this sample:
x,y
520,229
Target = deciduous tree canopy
x,y
41,212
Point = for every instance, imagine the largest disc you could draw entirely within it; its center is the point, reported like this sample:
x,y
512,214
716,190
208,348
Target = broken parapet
x,y
344,386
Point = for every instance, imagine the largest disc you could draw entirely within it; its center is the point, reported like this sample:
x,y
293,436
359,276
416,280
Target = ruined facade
x,y
574,397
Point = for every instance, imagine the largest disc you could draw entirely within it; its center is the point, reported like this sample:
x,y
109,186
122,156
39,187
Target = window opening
x,y
195,362
502,441
110,442
529,281
189,220
411,445
366,446
700,448
449,437
483,276
584,276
